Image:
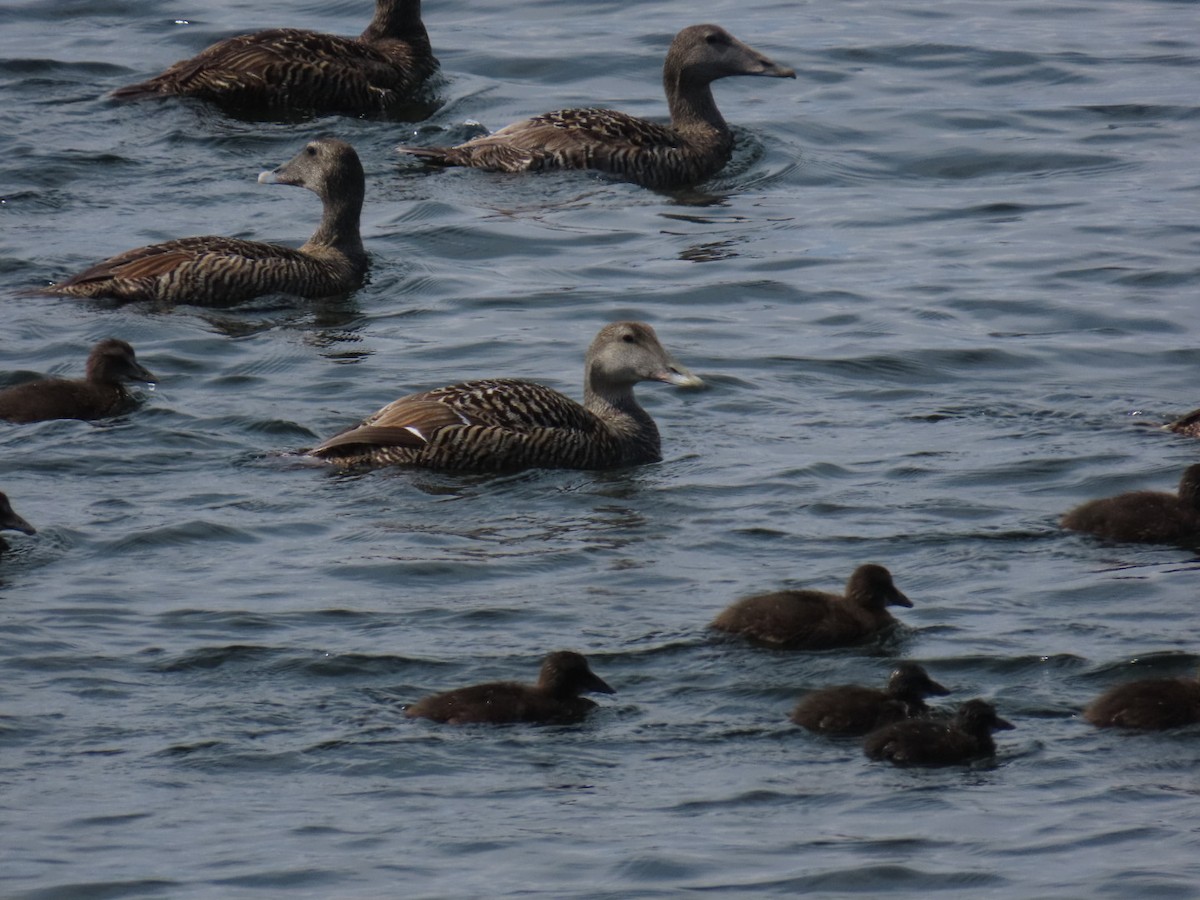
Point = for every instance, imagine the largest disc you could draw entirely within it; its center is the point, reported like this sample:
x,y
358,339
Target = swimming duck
x,y
695,146
307,71
814,620
851,709
1152,703
926,742
212,270
553,700
504,424
98,395
1150,517
10,521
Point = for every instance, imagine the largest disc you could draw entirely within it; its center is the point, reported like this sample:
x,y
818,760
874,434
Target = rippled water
x,y
947,279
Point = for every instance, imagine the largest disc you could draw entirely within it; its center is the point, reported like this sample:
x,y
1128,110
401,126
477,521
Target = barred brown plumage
x,y
695,146
307,71
506,424
213,270
100,394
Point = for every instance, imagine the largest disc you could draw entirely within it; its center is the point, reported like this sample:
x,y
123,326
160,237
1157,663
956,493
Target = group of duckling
x,y
507,424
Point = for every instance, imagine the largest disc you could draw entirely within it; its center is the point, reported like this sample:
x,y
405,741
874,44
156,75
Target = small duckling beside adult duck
x,y
1151,704
100,394
506,424
852,710
553,700
1147,517
10,521
816,620
307,71
926,742
695,146
222,271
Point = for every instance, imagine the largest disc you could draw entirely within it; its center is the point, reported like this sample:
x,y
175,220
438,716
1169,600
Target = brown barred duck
x,y
1149,517
815,620
10,521
1149,704
222,271
553,700
98,395
505,424
307,71
926,742
695,146
850,709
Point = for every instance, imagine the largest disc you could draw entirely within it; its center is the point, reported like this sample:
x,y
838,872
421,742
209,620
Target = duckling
x,y
850,709
97,396
926,742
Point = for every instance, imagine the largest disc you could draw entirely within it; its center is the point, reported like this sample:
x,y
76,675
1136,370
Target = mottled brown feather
x,y
1149,704
1152,517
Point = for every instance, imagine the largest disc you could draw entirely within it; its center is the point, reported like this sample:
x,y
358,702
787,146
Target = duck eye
x,y
311,150
627,338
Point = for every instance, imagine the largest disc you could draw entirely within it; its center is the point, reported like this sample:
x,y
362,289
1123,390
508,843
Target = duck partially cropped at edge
x,y
815,620
851,709
927,742
223,271
553,700
10,521
1148,704
692,148
307,71
1148,517
505,424
99,395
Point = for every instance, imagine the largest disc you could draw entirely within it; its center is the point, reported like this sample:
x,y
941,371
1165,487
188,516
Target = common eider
x,y
1149,517
850,709
505,424
98,395
814,620
222,271
10,521
307,71
926,742
695,146
1152,703
553,700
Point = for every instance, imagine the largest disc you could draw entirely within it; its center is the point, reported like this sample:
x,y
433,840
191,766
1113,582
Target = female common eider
x,y
307,71
695,146
1152,703
925,742
815,620
98,395
10,521
222,271
505,424
553,700
1148,517
850,709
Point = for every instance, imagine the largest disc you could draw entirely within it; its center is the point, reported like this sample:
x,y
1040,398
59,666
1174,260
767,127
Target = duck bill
x,y
898,599
772,69
13,522
141,373
598,685
1002,725
679,376
936,689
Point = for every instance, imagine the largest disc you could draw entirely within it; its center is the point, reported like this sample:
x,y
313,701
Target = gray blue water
x,y
949,277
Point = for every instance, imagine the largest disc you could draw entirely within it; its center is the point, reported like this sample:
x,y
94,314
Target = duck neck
x,y
691,103
397,20
340,218
616,406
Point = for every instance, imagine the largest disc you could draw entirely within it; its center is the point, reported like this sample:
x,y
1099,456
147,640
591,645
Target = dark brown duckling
x,y
99,395
926,742
815,620
505,424
222,271
851,709
1152,703
695,146
307,71
10,521
1148,517
553,700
